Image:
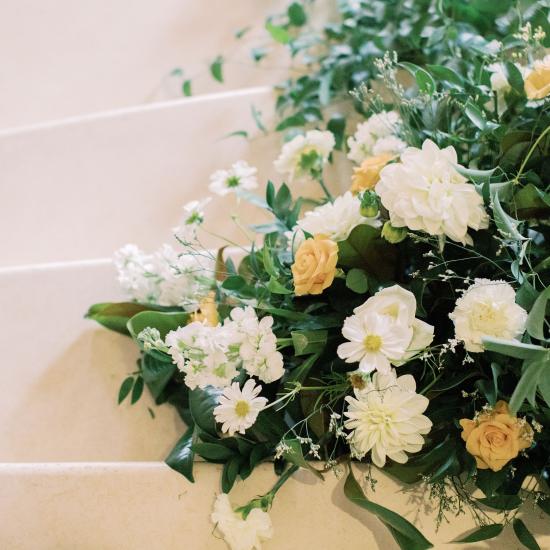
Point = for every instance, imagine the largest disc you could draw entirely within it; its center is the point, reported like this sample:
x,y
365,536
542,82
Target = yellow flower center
x,y
242,408
373,342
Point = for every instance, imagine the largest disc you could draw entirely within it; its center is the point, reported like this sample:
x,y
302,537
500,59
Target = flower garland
x,y
402,323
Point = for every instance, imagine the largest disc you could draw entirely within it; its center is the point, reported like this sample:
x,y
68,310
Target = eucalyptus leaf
x,y
524,535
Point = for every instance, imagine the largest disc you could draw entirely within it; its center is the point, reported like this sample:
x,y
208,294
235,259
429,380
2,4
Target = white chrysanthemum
x,y
385,418
377,135
238,409
425,192
384,331
487,308
193,218
305,152
240,176
335,219
239,533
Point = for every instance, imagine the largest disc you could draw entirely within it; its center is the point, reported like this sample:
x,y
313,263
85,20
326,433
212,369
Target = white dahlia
x,y
238,408
305,153
239,533
425,192
336,220
240,176
385,418
487,308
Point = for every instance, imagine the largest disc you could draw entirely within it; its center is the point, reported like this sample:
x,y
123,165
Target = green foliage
x,y
483,533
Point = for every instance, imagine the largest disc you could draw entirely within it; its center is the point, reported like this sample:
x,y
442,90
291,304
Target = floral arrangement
x,y
402,323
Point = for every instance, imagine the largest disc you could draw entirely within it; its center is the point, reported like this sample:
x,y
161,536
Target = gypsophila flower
x,y
385,418
238,408
193,218
240,176
240,533
305,155
377,135
487,308
425,192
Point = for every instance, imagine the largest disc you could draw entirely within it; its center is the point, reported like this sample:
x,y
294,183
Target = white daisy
x,y
239,533
238,409
240,176
385,418
305,155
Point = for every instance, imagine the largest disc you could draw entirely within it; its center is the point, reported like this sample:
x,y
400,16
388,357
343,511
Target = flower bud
x,y
370,204
393,234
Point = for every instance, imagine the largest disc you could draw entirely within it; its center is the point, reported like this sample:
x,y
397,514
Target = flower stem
x,y
325,189
528,156
430,385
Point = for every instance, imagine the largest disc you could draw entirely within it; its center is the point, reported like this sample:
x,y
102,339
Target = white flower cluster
x,y
212,356
238,532
377,135
384,331
165,278
193,218
305,153
487,308
336,220
385,417
425,192
240,176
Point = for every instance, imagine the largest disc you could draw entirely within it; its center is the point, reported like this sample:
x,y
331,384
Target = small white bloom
x,y
240,176
385,418
239,533
377,135
193,218
335,219
305,153
136,273
487,308
425,192
238,409
384,331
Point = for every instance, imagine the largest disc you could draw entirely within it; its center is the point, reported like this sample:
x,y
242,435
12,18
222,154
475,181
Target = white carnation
x,y
239,533
335,219
293,153
487,308
377,135
240,176
425,192
385,418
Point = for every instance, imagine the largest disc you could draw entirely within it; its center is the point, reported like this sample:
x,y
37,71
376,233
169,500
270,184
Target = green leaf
x,y
278,33
446,74
425,82
115,316
229,474
489,481
299,374
524,535
537,315
201,405
234,282
186,88
507,225
475,114
237,133
513,348
213,451
296,14
257,116
514,78
357,280
308,341
544,505
295,456
216,68
483,533
501,502
337,125
409,536
156,374
527,385
137,390
164,322
125,389
276,287
181,457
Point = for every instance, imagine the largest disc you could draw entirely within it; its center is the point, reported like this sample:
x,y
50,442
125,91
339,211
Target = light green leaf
x,y
278,33
216,68
164,322
295,456
513,348
537,315
527,385
276,287
507,225
308,341
186,88
357,280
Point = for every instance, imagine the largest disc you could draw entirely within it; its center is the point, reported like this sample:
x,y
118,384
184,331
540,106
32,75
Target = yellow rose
x,y
314,266
496,437
207,311
367,175
537,84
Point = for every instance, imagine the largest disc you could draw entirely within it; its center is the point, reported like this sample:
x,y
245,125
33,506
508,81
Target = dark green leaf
x,y
156,374
229,474
296,14
115,316
524,535
337,125
137,390
308,341
164,322
513,75
213,451
216,68
125,389
181,457
201,404
186,88
527,385
483,533
501,502
296,457
357,280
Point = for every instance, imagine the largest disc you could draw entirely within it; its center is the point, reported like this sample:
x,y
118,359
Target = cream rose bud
x,y
537,83
487,308
314,265
425,192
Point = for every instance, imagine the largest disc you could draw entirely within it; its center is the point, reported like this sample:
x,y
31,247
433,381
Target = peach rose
x,y
367,175
537,84
496,437
207,311
314,265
